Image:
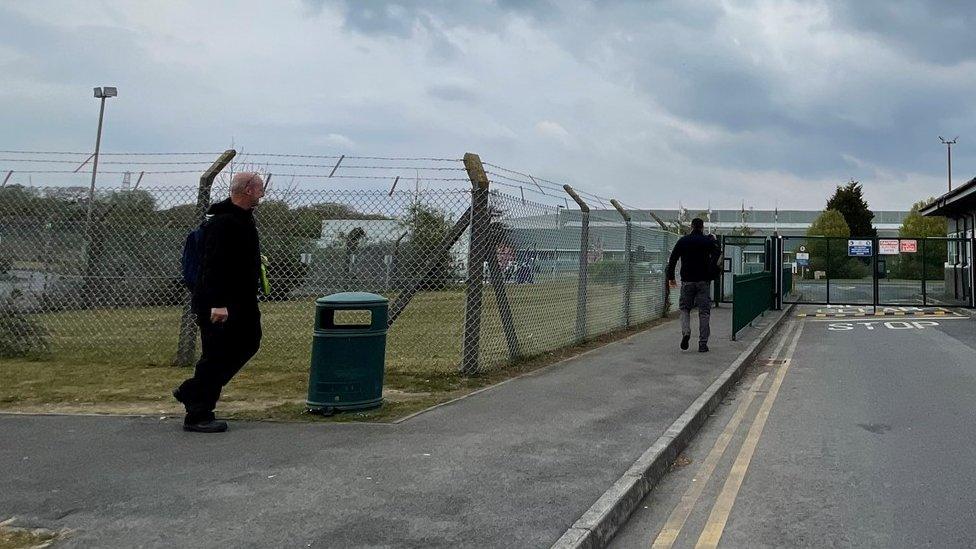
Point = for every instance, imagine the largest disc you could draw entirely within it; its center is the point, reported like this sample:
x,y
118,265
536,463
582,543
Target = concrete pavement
x,y
512,466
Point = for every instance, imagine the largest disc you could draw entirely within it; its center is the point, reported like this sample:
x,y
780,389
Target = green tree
x,y
286,234
830,254
849,201
427,228
830,223
682,224
915,225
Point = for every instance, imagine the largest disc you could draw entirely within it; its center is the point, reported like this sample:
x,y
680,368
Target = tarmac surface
x,y
858,432
513,466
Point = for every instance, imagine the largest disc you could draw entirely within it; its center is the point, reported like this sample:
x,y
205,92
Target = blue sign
x,y
802,262
860,248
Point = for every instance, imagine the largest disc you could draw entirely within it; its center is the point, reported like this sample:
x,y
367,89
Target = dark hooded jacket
x,y
698,254
231,262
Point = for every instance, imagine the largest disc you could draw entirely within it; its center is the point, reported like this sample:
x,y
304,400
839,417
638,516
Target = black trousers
x,y
226,347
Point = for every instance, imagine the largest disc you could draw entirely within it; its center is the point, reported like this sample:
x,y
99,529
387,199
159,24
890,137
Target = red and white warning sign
x,y
888,246
909,246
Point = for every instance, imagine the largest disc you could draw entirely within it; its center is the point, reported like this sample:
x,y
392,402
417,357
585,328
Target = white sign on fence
x,y
888,246
860,248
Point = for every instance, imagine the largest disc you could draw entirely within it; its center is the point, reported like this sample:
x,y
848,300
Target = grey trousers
x,y
695,294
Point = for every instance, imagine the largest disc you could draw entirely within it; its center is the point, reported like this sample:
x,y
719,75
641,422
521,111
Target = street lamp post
x,y
949,145
103,94
90,281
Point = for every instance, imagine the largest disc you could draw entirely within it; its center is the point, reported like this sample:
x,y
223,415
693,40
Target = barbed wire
x,y
295,175
259,161
535,180
88,172
52,161
557,192
351,167
240,152
112,153
349,157
523,200
531,184
543,183
205,163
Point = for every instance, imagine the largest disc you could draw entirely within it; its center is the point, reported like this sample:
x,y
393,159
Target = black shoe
x,y
178,395
684,342
703,347
206,426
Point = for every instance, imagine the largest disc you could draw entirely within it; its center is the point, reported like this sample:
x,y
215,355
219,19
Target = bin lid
x,y
351,298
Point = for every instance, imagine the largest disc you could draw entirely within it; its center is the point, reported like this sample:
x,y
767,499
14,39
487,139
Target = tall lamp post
x,y
949,145
103,94
91,284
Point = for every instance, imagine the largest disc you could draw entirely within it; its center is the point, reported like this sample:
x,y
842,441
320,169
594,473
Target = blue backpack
x,y
192,261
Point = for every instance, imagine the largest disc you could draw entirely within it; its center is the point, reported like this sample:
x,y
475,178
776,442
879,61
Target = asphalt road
x,y
858,433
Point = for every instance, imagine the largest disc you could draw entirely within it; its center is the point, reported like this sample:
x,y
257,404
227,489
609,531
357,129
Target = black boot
x,y
703,347
684,342
205,426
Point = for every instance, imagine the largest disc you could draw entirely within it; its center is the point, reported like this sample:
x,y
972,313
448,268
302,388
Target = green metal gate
x,y
878,271
742,255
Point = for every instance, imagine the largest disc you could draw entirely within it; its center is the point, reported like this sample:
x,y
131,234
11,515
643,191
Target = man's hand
x,y
672,284
219,315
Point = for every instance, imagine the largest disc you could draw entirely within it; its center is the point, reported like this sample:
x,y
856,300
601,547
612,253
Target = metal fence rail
x,y
476,277
752,296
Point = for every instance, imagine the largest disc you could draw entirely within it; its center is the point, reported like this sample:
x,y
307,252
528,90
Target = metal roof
x,y
958,201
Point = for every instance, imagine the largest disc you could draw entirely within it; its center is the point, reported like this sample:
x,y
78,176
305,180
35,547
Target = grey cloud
x,y
452,92
51,52
664,59
937,31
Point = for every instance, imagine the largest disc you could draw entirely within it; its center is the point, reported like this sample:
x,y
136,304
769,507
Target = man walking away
x,y
225,301
699,256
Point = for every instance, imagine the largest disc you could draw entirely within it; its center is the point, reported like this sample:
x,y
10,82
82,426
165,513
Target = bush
x,y
20,335
604,272
850,269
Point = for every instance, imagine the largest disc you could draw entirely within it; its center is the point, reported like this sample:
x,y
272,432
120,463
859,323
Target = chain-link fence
x,y
476,278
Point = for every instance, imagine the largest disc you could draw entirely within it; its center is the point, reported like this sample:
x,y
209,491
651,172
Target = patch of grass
x,y
122,357
22,538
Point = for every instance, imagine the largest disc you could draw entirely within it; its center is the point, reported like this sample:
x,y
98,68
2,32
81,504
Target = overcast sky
x,y
770,102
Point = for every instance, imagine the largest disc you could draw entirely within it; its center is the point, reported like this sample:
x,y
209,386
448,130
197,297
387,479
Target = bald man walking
x,y
225,301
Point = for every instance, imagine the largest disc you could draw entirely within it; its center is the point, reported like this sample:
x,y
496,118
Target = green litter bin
x,y
348,352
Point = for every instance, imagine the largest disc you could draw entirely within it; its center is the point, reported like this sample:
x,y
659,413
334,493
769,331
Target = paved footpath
x,y
858,432
513,466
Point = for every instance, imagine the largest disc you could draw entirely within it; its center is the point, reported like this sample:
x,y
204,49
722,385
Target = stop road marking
x,y
875,324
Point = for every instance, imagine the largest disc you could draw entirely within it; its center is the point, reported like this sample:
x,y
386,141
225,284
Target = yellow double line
x,y
722,508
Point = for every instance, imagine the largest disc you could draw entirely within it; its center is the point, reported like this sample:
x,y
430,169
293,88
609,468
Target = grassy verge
x,y
118,361
22,538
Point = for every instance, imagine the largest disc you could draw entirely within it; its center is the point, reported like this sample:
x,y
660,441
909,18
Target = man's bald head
x,y
244,180
246,189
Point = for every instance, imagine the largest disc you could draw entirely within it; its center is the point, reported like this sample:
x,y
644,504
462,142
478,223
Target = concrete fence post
x,y
629,281
477,251
584,262
187,346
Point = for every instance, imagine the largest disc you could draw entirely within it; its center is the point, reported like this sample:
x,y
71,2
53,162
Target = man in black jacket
x,y
699,255
225,301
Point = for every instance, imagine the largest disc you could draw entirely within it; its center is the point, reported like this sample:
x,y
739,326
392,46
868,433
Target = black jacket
x,y
698,254
230,272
